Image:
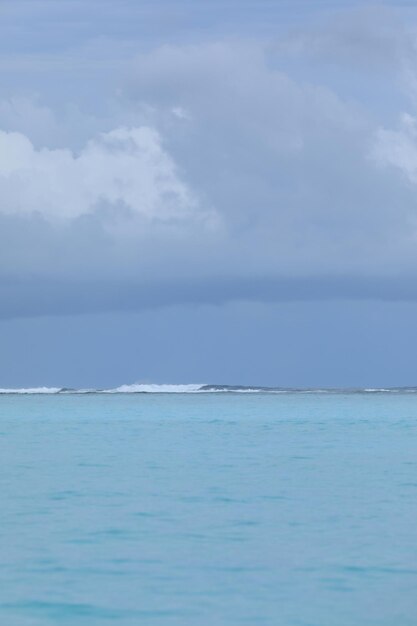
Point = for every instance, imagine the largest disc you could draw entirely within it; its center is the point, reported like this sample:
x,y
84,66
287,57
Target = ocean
x,y
208,508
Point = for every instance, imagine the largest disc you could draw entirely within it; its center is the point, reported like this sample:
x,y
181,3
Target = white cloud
x,y
127,167
398,148
181,113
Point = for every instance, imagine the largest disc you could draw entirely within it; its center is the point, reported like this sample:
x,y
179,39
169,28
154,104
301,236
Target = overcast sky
x,y
197,191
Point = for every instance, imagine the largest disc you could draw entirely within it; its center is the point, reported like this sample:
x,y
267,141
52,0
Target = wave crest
x,y
32,390
153,388
139,388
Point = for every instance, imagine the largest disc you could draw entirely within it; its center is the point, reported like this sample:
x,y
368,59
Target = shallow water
x,y
208,510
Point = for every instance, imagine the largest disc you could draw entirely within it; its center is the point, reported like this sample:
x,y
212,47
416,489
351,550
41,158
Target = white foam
x,y
194,388
33,390
234,390
151,388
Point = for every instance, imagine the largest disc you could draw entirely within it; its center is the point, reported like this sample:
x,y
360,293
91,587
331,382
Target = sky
x,y
214,192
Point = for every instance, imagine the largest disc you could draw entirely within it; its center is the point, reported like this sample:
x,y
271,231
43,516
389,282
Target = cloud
x,y
221,174
368,38
284,161
124,167
30,117
398,148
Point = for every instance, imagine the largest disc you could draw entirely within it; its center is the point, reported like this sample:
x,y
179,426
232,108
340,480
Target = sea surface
x,y
208,509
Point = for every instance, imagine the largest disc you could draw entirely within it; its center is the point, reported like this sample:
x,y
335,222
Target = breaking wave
x,y
32,390
139,388
142,388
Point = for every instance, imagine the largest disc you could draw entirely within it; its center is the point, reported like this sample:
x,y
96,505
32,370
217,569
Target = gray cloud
x,y
217,173
34,297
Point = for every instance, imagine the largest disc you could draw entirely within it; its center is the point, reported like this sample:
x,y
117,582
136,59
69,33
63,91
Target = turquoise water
x,y
208,510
